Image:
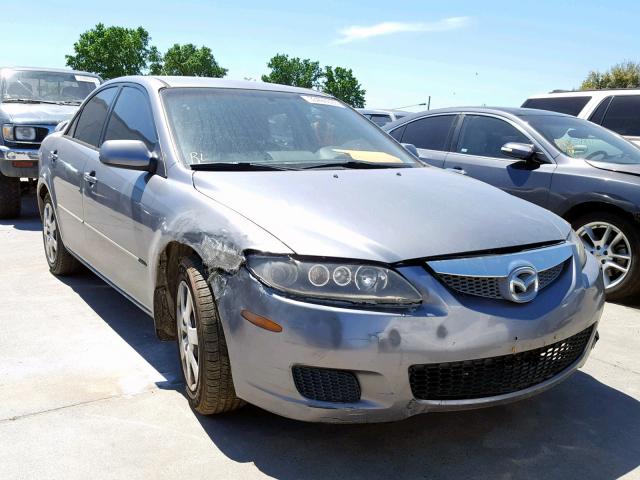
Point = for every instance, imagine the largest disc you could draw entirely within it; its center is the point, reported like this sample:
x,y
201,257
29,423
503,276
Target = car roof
x,y
52,70
381,111
158,82
503,111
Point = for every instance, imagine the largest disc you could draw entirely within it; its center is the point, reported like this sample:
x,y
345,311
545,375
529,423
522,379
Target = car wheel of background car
x,y
9,197
201,343
60,261
615,241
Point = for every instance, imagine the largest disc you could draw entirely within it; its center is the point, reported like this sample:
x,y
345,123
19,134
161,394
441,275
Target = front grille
x,y
326,385
489,287
488,377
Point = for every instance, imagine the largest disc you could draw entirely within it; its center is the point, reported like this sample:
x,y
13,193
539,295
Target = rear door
x,y
431,135
71,153
477,152
622,115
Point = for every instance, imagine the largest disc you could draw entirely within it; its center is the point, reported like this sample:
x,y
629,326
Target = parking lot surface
x,y
86,391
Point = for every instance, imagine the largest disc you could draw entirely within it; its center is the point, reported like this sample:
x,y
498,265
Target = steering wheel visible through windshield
x,y
269,128
582,139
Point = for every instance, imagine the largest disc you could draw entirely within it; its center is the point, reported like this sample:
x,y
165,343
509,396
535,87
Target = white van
x,y
617,110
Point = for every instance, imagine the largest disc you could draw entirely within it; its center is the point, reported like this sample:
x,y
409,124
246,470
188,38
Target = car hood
x,y
386,215
633,169
38,113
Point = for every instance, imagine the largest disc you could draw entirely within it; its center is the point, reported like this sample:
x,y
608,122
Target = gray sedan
x,y
581,171
305,262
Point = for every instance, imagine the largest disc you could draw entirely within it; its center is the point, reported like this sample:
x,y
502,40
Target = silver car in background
x,y
304,261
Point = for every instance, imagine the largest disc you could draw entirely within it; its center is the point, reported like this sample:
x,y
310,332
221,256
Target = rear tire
x,y
60,261
201,344
615,252
9,197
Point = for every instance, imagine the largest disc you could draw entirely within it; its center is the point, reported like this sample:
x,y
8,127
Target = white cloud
x,y
357,32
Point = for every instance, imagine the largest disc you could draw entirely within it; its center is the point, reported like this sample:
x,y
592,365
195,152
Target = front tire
x,y
201,344
60,261
615,241
10,198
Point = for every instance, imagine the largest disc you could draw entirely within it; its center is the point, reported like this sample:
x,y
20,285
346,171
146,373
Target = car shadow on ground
x,y
580,429
29,218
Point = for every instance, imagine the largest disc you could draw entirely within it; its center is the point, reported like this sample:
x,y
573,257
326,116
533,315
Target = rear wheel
x,y
9,197
60,261
201,343
615,242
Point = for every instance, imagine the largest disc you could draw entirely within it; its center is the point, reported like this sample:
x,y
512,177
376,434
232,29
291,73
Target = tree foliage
x,y
111,51
186,60
339,82
293,71
622,75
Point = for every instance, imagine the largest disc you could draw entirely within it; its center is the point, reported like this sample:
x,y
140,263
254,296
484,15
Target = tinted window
x,y
94,113
430,133
569,105
485,136
623,115
380,119
598,114
131,119
397,133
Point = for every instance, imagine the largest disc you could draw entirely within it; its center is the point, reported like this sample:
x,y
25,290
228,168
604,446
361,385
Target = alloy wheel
x,y
612,249
50,234
188,335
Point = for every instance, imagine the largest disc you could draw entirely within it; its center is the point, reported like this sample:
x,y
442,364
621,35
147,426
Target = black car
x,y
579,170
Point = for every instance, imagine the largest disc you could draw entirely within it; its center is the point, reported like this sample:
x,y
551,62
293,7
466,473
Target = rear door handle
x,y
458,170
90,178
53,156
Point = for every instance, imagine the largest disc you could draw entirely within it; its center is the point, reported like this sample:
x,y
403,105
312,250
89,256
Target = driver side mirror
x,y
411,148
129,154
521,151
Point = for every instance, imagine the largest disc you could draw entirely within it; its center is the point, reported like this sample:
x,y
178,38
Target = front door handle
x,y
90,178
458,170
53,156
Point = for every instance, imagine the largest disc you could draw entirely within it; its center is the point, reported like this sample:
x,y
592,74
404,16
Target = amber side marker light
x,y
260,321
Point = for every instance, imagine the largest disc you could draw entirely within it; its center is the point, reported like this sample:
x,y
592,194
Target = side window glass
x,y
598,113
485,136
623,115
397,133
89,125
131,119
430,133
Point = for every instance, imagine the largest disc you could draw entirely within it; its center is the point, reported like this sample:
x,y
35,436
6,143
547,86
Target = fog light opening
x,y
260,321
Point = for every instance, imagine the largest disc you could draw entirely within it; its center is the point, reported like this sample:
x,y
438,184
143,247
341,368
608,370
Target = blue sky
x,y
459,52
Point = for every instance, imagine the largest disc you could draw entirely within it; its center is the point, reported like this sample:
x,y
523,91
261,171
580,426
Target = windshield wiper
x,y
357,164
236,167
33,100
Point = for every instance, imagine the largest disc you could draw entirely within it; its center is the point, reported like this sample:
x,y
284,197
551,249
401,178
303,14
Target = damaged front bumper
x,y
18,162
379,347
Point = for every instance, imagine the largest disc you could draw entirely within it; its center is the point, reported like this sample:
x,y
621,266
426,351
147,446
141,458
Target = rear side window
x,y
380,120
93,116
598,113
485,136
131,119
623,115
569,105
430,133
397,133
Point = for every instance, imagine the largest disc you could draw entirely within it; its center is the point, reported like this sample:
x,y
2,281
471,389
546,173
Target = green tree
x,y
622,75
293,71
186,60
341,83
111,51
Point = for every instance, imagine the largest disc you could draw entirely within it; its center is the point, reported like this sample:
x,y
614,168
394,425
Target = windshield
x,y
31,86
582,139
224,126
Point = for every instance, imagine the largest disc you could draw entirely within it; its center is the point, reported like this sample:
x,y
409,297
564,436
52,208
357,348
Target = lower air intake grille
x,y
488,377
326,385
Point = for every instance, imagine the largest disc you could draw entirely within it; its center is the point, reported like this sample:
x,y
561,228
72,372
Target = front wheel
x,y
9,197
615,242
201,343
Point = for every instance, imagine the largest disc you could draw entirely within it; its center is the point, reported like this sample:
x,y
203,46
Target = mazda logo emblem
x,y
521,285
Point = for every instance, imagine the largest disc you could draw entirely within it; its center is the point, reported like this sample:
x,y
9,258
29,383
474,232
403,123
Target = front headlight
x,y
27,134
7,132
334,280
582,253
